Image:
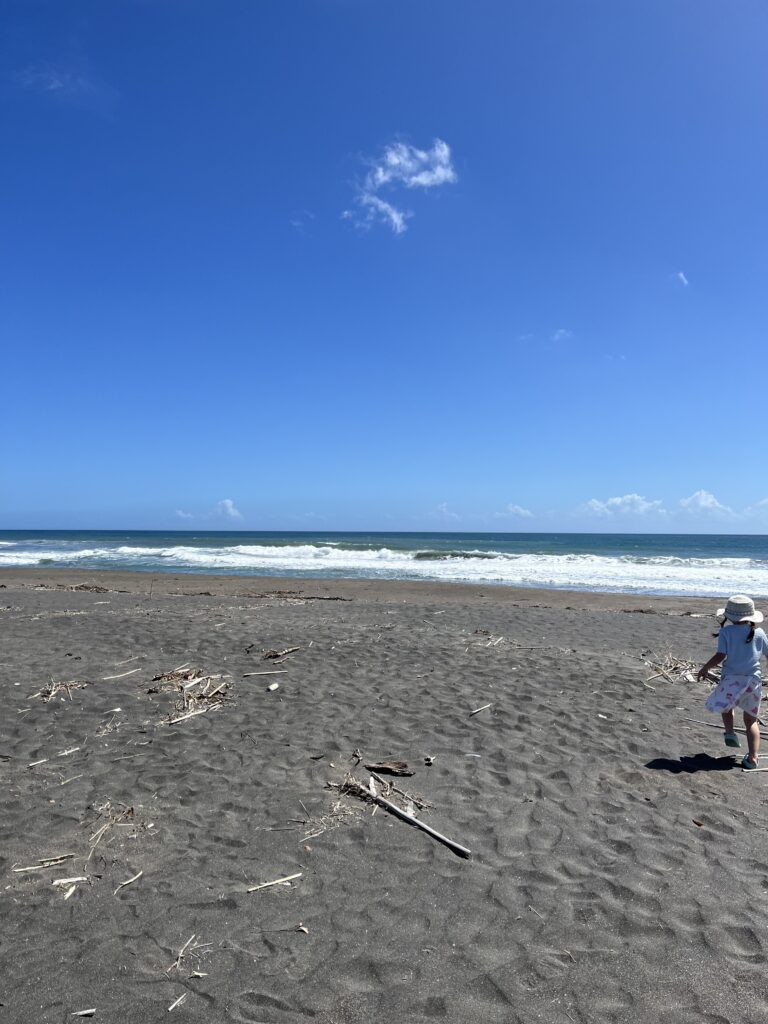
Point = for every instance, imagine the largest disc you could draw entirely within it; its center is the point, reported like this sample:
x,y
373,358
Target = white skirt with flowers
x,y
736,691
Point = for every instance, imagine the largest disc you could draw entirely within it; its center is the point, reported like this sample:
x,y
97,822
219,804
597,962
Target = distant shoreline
x,y
384,591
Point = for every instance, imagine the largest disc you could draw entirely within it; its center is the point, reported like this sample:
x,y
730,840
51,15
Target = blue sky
x,y
347,264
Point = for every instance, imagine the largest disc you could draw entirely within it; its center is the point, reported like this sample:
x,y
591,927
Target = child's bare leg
x,y
728,721
753,736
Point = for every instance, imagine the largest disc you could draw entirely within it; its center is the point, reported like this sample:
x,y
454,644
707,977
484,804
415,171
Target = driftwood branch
x,y
356,788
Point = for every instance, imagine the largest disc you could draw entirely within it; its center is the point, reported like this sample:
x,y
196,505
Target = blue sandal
x,y
747,765
732,740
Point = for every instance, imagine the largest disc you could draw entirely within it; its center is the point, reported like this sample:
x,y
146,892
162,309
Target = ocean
x,y
673,564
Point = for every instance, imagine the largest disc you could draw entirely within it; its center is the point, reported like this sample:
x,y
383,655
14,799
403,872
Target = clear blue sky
x,y
348,264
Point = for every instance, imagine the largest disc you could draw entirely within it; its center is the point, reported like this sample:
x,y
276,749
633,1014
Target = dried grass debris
x,y
196,692
673,669
53,689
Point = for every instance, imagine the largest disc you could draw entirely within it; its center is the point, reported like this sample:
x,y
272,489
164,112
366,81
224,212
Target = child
x,y
739,646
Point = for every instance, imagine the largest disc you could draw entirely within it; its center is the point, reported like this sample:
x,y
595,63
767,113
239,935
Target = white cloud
x,y
515,510
404,166
226,507
705,502
627,504
184,515
562,334
386,212
680,276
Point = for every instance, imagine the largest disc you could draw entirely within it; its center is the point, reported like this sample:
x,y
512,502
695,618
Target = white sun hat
x,y
740,608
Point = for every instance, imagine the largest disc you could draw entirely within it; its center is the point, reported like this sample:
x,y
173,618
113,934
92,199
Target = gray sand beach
x,y
618,867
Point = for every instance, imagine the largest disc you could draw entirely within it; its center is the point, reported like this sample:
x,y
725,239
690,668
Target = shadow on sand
x,y
696,763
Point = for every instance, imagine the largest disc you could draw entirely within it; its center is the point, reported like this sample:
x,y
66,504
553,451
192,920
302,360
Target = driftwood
x,y
357,789
389,767
715,725
271,655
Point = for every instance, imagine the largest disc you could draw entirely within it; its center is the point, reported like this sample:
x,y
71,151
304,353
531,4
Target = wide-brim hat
x,y
740,608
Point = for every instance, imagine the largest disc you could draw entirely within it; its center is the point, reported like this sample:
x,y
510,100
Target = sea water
x,y
675,564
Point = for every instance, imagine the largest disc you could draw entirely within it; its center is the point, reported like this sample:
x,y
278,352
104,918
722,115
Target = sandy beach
x,y
152,784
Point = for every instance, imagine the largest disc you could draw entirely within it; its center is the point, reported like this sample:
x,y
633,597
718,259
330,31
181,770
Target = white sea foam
x,y
645,574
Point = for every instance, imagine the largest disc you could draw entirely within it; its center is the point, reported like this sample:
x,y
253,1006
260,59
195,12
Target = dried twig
x,y
478,710
129,882
273,654
46,862
277,881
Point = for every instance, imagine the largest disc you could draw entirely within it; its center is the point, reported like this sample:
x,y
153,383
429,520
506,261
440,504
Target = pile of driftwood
x,y
675,670
196,692
54,689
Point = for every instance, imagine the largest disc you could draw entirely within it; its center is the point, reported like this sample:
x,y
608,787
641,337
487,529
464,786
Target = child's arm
x,y
714,661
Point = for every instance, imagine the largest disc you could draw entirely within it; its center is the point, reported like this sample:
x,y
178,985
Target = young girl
x,y
740,646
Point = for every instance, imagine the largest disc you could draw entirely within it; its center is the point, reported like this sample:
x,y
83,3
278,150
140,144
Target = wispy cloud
x,y
401,166
561,334
514,511
224,509
301,220
68,82
443,512
681,278
55,79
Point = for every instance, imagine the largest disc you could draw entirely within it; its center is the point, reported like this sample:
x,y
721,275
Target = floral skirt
x,y
736,691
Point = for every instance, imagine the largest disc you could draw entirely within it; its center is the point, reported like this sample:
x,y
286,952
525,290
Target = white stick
x,y
68,881
269,672
134,879
190,714
122,675
179,1000
277,881
478,710
461,850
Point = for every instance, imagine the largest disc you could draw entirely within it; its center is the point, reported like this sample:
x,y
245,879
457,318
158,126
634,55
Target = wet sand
x,y
618,869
